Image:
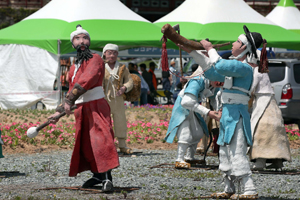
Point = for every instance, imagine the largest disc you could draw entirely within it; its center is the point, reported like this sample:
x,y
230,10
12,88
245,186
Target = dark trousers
x,y
143,97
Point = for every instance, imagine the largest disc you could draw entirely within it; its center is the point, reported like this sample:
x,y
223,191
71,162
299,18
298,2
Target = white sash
x,y
234,98
91,95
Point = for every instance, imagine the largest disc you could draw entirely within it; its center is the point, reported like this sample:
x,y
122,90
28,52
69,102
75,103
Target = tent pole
x,y
59,73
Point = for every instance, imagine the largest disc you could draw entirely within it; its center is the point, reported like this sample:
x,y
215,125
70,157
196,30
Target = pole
x,y
59,73
180,57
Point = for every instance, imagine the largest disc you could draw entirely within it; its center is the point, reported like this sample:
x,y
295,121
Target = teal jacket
x,y
242,74
179,113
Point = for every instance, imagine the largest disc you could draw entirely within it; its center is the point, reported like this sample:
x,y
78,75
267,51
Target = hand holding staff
x,y
33,131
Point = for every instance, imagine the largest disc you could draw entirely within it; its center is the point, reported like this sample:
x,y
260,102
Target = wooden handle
x,y
172,35
55,118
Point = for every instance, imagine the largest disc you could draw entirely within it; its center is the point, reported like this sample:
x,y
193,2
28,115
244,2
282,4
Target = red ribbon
x,y
164,56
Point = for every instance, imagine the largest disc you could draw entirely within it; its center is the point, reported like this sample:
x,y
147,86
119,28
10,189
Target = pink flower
x,y
148,124
158,129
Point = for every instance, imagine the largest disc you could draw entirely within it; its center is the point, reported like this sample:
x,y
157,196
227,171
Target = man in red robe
x,y
94,148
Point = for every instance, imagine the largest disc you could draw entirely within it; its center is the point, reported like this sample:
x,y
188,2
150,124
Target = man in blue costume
x,y
235,131
186,121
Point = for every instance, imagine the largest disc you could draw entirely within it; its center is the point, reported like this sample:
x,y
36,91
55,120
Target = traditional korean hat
x,y
110,46
79,30
252,40
255,40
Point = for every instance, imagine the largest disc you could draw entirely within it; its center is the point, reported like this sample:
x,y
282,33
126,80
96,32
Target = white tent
x,y
30,50
286,15
222,21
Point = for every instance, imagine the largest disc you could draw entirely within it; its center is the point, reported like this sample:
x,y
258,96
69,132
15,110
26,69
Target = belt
x,y
91,95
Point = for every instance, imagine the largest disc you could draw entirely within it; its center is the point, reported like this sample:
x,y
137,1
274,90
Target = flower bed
x,y
146,125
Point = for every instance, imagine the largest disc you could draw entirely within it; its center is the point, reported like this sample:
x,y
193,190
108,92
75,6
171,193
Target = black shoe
x,y
110,176
91,182
107,186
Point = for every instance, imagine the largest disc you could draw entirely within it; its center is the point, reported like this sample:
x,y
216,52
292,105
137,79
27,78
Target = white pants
x,y
233,158
234,162
189,134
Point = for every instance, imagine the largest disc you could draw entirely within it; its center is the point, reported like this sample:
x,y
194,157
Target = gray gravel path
x,y
51,170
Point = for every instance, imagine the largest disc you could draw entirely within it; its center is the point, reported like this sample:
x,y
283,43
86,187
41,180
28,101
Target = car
x,y
285,79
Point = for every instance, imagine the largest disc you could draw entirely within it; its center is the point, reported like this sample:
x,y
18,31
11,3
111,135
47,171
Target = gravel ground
x,y
51,170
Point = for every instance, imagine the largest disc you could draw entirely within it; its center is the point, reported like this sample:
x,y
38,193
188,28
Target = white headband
x,y
110,47
245,41
79,30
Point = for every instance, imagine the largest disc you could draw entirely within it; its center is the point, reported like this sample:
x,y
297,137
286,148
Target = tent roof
x,y
106,21
222,21
286,15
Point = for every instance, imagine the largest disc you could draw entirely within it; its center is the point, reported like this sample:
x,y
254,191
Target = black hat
x,y
254,38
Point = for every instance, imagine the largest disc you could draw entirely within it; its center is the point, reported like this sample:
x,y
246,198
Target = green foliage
x,y
10,16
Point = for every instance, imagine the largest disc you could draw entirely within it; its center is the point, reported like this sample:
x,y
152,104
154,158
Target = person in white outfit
x,y
270,142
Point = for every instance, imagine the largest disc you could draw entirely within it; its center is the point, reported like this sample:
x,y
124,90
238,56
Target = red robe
x,y
94,138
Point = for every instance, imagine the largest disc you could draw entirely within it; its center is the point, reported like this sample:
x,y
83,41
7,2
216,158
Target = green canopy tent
x,y
106,21
286,15
222,21
30,50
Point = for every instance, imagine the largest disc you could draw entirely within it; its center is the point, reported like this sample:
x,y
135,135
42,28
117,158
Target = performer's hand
x,y
206,45
215,115
67,109
188,50
121,91
183,80
52,121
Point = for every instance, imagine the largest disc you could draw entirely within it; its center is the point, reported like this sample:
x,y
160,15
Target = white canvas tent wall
x,y
222,21
107,22
286,15
27,76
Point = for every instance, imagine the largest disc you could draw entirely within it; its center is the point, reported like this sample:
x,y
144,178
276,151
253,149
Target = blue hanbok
x,y
179,113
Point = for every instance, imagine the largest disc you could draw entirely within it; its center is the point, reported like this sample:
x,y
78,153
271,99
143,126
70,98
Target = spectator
x,y
166,82
144,86
148,78
151,71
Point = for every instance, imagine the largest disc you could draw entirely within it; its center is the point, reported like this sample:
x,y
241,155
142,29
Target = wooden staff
x,y
33,131
180,56
172,35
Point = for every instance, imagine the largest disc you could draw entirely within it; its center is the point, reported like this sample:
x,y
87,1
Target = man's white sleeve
x,y
190,102
201,59
214,56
